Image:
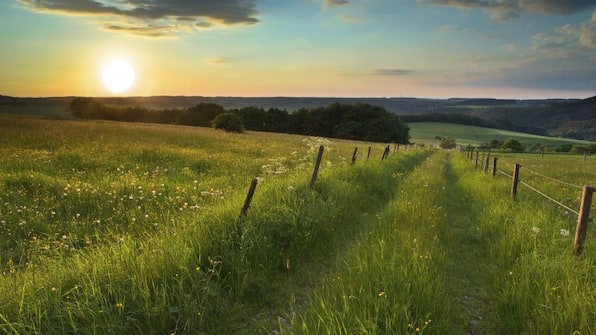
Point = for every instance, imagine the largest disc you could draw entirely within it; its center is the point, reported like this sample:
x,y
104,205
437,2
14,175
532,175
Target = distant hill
x,y
570,119
554,117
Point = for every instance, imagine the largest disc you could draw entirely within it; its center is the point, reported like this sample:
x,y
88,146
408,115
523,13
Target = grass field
x,y
135,229
425,132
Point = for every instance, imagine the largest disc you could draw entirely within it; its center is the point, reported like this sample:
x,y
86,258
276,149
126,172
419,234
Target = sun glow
x,y
118,76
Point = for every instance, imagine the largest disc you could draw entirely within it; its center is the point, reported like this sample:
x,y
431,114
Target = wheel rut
x,y
468,265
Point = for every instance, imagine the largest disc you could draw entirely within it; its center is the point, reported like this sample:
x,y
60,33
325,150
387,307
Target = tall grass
x,y
537,285
135,229
195,266
391,281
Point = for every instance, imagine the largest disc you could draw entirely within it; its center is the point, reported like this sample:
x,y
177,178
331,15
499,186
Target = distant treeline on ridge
x,y
357,122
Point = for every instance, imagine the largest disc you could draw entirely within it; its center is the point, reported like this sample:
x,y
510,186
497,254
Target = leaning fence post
x,y
385,153
495,159
317,164
583,219
486,163
354,155
368,155
515,181
247,201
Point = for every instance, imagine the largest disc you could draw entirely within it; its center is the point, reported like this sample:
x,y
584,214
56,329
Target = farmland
x,y
134,228
424,132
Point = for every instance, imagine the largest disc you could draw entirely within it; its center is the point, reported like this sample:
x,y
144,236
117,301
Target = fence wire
x,y
553,179
549,198
504,173
541,193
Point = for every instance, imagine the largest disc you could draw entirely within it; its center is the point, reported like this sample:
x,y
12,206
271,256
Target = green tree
x,y
448,143
200,115
513,145
85,108
230,122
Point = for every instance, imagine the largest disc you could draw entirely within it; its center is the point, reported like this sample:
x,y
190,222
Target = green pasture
x,y
425,132
136,229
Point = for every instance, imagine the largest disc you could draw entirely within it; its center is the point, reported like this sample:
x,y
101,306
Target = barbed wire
x,y
553,179
505,173
544,176
548,197
505,162
541,193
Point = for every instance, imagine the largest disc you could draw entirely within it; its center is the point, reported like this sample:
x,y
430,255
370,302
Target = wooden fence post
x,y
486,163
583,220
315,172
495,159
477,152
354,155
247,201
368,155
385,153
515,181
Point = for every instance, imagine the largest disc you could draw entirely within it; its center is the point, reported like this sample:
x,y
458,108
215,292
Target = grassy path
x,y
466,260
421,269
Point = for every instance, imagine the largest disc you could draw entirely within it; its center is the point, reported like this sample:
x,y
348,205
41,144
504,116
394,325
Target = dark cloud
x,y
152,17
506,9
556,6
392,72
330,3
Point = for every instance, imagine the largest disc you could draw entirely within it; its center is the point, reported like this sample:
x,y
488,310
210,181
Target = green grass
x,y
425,132
135,229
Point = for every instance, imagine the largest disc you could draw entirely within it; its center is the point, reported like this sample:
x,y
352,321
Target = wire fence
x,y
548,197
586,199
552,178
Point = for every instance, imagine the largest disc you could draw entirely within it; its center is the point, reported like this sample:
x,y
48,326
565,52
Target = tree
x,y
85,108
448,143
230,122
513,145
200,115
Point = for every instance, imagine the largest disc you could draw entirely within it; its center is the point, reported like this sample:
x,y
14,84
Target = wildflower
x,y
535,230
119,305
382,294
565,232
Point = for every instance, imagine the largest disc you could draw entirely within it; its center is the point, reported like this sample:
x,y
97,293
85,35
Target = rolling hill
x,y
553,117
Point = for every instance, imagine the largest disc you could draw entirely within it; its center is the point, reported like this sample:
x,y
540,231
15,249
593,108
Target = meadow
x,y
425,132
135,229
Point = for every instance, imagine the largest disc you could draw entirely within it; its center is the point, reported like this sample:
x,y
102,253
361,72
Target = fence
x,y
583,215
313,179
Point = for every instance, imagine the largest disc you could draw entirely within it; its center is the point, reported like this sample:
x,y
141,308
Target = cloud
x,y
152,18
217,60
392,72
501,10
351,18
335,3
568,41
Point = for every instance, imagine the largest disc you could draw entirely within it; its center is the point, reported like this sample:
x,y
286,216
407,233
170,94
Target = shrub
x,y
448,143
231,122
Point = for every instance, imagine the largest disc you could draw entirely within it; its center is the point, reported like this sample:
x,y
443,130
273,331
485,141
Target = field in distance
x,y
426,132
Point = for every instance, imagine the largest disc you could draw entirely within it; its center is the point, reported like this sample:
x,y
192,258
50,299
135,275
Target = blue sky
x,y
399,48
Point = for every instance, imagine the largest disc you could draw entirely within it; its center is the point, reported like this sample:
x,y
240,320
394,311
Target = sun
x,y
118,76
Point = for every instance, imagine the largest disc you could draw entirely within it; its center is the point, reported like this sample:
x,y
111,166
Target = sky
x,y
520,49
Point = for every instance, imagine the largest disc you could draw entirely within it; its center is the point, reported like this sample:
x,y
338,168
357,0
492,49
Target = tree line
x,y
355,121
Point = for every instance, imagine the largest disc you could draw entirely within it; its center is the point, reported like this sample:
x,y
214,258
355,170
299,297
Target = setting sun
x,y
118,76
